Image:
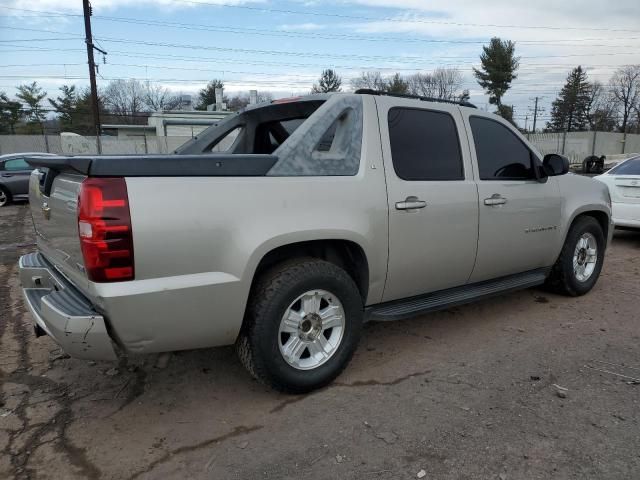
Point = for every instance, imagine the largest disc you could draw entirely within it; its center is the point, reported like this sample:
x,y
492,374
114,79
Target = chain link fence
x,y
575,145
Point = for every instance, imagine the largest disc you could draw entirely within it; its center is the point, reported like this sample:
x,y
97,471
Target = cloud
x,y
104,5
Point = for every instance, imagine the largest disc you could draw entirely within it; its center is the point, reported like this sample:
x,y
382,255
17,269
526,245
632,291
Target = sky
x,y
282,46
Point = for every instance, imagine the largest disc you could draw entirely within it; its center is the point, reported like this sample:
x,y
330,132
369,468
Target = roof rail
x,y
370,91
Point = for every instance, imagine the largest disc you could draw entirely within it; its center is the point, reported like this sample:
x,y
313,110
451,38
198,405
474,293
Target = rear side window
x,y
501,155
424,145
16,164
630,167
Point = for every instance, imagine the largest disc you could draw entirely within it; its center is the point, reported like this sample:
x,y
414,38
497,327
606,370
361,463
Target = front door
x,y
433,200
519,215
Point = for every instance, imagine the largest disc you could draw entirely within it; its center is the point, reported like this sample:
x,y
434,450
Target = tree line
x,y
583,105
580,104
119,102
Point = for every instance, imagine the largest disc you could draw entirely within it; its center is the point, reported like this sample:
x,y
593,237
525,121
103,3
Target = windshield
x,y
630,167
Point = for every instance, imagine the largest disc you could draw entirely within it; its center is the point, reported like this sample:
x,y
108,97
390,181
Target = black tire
x,y
275,290
7,196
563,278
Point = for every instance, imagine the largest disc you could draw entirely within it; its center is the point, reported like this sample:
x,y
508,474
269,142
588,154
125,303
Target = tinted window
x,y
424,145
501,154
16,164
630,167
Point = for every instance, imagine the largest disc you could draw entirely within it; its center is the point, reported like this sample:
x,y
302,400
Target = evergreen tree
x,y
65,106
207,95
397,84
32,95
10,112
329,81
570,111
498,66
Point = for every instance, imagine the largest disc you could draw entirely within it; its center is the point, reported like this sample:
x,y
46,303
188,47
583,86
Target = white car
x,y
623,181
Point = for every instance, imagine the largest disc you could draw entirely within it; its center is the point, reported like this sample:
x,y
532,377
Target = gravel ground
x,y
467,393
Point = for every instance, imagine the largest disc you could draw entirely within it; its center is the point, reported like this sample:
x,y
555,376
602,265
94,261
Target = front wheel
x,y
302,326
578,267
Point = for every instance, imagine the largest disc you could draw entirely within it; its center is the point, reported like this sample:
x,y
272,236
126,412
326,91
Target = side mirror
x,y
555,164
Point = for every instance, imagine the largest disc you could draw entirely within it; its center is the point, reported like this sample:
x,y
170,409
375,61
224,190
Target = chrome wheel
x,y
311,329
3,198
585,257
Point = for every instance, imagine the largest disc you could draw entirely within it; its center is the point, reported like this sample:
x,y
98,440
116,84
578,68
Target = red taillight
x,y
104,226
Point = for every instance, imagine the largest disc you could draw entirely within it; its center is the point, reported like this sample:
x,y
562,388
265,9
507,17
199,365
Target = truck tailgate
x,y
54,203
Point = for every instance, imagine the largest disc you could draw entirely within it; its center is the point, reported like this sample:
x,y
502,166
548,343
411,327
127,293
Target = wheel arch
x,y
602,217
346,254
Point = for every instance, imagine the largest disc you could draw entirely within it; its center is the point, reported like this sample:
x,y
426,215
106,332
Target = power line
x,y
337,36
367,18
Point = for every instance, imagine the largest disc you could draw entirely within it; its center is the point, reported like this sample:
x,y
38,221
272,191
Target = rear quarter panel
x,y
198,242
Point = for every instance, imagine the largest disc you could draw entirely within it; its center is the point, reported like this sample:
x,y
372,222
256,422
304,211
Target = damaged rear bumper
x,y
63,312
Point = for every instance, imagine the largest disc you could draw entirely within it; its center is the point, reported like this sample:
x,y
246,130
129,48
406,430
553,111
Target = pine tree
x,y
397,84
10,112
65,105
329,81
570,111
32,95
498,67
207,95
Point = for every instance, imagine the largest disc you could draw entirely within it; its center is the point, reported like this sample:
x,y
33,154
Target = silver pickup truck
x,y
284,228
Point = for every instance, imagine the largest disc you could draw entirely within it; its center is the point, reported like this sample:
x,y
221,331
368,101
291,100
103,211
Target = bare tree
x,y
601,108
625,86
443,83
125,99
158,98
371,80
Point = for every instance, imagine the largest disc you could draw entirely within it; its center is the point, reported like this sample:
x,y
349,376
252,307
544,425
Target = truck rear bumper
x,y
63,312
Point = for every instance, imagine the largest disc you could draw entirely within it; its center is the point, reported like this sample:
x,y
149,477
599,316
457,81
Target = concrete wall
x,y
87,145
577,145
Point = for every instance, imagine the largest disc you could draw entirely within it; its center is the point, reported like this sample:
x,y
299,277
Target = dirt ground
x,y
462,394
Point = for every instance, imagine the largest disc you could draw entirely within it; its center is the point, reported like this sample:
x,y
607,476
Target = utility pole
x,y
536,111
86,6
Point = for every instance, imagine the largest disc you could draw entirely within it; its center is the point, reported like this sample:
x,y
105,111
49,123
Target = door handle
x,y
495,199
7,175
411,203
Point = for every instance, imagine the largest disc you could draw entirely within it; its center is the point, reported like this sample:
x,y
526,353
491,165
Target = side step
x,y
409,307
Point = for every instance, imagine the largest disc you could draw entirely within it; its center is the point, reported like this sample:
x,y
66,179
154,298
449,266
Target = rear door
x,y
519,215
433,201
15,176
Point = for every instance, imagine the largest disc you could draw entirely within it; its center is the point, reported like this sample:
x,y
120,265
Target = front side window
x,y
501,154
424,145
16,164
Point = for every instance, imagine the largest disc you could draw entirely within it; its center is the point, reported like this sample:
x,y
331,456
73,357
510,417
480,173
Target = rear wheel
x,y
5,197
302,327
578,267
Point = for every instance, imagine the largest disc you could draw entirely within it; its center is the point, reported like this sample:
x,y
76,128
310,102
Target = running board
x,y
409,307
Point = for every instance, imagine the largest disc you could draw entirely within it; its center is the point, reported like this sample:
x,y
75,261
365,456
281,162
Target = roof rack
x,y
370,91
